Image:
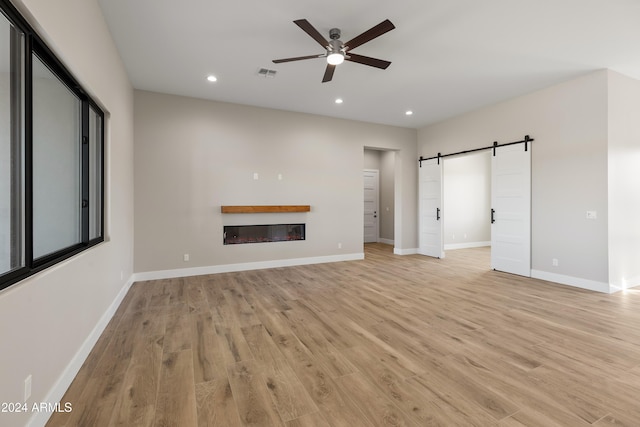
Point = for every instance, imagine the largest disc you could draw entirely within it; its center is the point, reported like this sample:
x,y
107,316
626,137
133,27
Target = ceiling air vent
x,y
264,72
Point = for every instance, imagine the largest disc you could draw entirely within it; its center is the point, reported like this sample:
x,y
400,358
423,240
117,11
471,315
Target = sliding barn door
x,y
511,209
430,208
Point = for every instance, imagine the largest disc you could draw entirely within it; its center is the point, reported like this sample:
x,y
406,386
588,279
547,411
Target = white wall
x,y
467,200
192,156
372,159
569,170
49,322
624,181
387,195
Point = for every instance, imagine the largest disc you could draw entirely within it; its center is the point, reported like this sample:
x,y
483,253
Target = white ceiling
x,y
448,56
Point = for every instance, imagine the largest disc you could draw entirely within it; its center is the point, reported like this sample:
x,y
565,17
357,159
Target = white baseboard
x,y
577,282
626,284
398,251
632,283
229,268
68,375
386,241
453,246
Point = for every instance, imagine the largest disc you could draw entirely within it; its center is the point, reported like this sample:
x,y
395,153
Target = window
x,y
51,156
95,173
12,256
56,152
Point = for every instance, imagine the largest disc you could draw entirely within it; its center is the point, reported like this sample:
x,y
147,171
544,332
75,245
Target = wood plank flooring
x,y
387,341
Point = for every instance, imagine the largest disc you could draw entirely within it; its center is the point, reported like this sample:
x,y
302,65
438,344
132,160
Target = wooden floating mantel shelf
x,y
265,209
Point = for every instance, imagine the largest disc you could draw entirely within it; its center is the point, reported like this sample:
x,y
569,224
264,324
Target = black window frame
x,y
34,45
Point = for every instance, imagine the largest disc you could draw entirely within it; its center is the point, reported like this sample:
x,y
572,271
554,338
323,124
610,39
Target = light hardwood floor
x,y
391,340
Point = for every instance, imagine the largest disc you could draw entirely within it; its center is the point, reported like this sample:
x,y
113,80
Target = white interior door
x,y
371,195
511,209
430,208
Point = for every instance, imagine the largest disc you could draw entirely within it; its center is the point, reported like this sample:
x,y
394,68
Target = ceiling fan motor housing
x,y
335,46
334,33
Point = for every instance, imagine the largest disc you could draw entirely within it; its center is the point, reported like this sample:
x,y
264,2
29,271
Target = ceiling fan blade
x,y
328,73
309,29
297,58
370,34
373,62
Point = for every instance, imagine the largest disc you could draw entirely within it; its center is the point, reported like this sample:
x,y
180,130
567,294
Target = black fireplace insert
x,y
239,234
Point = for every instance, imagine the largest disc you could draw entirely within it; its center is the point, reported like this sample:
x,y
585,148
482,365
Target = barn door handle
x,y
437,214
492,216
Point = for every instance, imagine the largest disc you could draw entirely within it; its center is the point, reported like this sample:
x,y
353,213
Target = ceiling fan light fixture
x,y
335,58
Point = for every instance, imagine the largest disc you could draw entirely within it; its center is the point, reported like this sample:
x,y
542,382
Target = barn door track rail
x,y
527,139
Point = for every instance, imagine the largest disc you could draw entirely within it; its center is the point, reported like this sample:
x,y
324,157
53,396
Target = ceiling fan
x,y
337,51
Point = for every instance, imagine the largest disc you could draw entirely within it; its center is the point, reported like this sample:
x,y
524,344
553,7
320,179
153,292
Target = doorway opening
x,y
379,195
467,201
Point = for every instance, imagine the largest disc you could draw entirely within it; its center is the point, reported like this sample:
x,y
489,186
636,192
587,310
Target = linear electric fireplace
x,y
238,234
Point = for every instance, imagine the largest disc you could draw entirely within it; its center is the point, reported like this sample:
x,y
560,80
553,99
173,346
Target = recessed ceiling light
x,y
408,112
339,101
212,78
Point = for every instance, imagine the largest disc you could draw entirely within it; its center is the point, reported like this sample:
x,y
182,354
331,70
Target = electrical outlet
x,y
256,176
592,215
185,258
279,177
27,388
554,262
339,245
